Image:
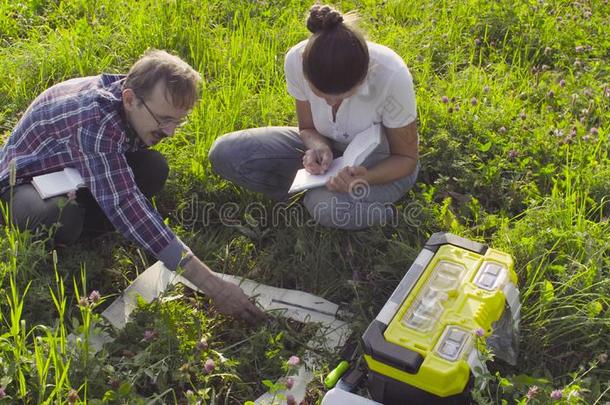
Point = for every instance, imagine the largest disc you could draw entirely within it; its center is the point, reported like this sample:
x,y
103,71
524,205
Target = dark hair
x,y
181,80
336,57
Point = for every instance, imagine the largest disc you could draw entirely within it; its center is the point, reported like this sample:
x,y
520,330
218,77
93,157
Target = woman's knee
x,y
343,212
230,150
328,208
219,155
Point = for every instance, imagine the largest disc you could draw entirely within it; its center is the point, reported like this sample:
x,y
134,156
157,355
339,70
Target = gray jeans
x,y
266,160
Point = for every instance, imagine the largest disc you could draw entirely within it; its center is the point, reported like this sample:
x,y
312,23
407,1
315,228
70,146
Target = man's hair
x,y
336,57
181,80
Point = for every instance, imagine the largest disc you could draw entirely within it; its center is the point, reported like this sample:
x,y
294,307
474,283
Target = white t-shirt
x,y
386,95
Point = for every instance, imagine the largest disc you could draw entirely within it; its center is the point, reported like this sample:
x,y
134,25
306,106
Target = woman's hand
x,y
319,155
318,159
348,179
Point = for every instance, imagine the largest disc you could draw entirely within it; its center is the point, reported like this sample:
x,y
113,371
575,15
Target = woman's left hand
x,y
347,178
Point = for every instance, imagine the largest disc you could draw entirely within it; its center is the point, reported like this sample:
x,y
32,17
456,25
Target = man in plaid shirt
x,y
103,126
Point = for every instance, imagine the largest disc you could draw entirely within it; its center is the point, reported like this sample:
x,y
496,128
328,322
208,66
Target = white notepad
x,y
57,183
363,144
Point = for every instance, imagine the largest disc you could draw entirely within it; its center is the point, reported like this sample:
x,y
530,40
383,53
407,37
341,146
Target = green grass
x,y
524,168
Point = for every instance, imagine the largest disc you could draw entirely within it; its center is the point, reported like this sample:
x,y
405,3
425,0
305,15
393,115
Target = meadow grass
x,y
515,156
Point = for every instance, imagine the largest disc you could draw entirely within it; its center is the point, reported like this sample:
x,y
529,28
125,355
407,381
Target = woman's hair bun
x,y
323,18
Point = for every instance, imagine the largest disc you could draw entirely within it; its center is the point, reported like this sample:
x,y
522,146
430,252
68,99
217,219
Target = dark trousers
x,y
73,218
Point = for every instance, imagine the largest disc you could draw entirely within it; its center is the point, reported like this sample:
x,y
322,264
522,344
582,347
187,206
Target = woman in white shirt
x,y
342,85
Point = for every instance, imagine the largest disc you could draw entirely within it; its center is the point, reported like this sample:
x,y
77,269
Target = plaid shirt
x,y
80,123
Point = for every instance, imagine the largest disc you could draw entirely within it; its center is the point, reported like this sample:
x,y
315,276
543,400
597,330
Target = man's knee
x,y
62,217
69,224
150,170
28,211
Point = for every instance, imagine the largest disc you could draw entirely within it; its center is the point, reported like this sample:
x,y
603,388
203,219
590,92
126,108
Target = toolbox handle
x,y
439,239
388,353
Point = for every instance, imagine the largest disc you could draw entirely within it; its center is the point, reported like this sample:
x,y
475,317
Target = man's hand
x,y
231,300
227,297
318,159
347,179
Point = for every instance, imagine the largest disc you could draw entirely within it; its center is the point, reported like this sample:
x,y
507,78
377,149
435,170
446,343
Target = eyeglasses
x,y
164,125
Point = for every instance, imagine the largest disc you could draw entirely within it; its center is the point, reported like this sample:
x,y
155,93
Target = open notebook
x,y
57,183
355,154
